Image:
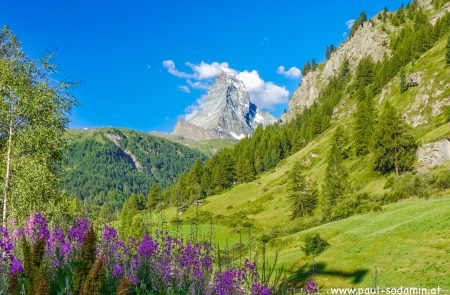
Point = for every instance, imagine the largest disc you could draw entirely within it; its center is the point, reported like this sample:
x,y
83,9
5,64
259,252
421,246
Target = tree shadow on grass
x,y
304,273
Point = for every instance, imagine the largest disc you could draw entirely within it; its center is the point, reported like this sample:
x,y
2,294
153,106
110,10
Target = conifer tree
x,y
302,197
313,64
394,147
403,84
358,23
330,49
336,184
129,209
306,68
244,170
363,126
153,197
447,53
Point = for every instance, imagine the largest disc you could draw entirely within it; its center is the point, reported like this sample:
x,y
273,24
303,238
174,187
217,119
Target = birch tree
x,y
33,117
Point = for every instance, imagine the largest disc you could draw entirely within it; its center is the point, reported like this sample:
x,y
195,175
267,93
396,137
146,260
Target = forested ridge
x,y
107,165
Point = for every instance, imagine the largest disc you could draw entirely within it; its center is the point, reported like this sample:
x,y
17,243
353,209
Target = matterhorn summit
x,y
225,112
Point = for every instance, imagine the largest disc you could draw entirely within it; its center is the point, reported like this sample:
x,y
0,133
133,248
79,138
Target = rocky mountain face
x,y
371,39
226,112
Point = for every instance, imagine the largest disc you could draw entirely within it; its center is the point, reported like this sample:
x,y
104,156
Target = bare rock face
x,y
433,154
226,112
369,40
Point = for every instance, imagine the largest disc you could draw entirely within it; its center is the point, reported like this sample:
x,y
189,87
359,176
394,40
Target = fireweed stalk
x,y
158,264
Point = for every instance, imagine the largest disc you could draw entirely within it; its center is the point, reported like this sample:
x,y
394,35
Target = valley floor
x,y
404,244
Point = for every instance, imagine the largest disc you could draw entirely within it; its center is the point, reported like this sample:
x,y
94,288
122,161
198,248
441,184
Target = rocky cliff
x,y
371,39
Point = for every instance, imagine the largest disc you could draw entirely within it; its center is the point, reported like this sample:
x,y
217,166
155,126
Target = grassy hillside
x,y
108,164
403,241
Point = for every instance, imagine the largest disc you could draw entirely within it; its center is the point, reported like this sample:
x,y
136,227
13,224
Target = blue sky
x,y
116,50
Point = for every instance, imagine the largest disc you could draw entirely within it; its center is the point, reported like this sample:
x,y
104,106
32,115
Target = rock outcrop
x,y
369,40
433,154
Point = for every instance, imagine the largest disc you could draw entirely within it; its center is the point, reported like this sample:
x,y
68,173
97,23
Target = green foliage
x,y
364,75
98,171
365,118
314,245
403,83
302,196
437,4
86,259
394,147
129,210
358,23
306,68
35,270
330,49
313,64
154,196
33,118
336,184
447,53
95,279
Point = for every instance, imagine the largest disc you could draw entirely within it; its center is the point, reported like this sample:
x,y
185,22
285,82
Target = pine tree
x,y
394,147
306,68
303,199
358,23
129,209
330,49
313,64
153,197
447,53
364,74
363,126
336,184
403,84
244,170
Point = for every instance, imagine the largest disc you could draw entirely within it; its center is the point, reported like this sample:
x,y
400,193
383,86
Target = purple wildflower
x,y
36,228
16,265
147,248
258,289
78,232
311,287
117,271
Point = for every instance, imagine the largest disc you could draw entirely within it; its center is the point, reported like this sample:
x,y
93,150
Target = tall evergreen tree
x,y
302,197
313,64
130,208
336,184
358,23
363,126
306,68
447,53
330,49
403,84
394,147
245,172
153,196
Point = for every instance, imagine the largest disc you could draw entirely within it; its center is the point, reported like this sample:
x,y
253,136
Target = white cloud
x,y
350,23
170,66
207,71
184,88
264,94
293,72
